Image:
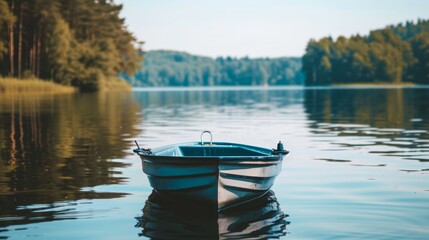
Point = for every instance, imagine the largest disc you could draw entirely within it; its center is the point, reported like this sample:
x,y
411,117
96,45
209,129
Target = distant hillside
x,y
395,54
171,68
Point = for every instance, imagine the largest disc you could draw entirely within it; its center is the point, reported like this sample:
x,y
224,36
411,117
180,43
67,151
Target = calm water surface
x,y
358,167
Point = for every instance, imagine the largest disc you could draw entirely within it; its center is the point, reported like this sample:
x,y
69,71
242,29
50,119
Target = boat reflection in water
x,y
165,218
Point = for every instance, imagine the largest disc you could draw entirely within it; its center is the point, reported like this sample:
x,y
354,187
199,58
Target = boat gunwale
x,y
265,160
265,154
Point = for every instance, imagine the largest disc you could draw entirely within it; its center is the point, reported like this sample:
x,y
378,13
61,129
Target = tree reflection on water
x,y
55,148
390,122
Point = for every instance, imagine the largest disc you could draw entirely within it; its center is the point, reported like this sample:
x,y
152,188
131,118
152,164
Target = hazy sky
x,y
258,28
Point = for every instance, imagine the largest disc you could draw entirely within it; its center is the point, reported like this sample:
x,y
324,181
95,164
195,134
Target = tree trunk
x,y
11,44
32,50
33,53
20,40
38,55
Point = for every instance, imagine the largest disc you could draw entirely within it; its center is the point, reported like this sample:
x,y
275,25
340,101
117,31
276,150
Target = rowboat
x,y
218,174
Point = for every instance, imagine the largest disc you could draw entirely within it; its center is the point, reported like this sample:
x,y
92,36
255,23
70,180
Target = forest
x,y
396,54
85,44
75,43
172,68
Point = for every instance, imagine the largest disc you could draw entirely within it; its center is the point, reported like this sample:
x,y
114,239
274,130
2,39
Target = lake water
x,y
358,166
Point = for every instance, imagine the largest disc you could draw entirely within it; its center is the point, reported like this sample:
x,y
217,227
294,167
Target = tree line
x,y
172,68
395,54
80,42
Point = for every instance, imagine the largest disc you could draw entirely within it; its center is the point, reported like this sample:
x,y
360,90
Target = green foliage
x,y
80,43
391,55
59,48
170,68
5,17
420,46
410,29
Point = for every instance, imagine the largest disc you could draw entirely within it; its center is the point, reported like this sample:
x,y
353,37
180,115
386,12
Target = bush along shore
x,y
14,85
33,85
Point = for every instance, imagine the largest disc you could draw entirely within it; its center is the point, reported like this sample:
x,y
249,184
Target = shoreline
x,y
32,85
38,86
270,88
378,84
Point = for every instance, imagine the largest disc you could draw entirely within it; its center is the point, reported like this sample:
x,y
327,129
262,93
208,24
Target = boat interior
x,y
210,151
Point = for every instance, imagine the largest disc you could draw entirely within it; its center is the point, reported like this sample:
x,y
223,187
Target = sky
x,y
259,28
